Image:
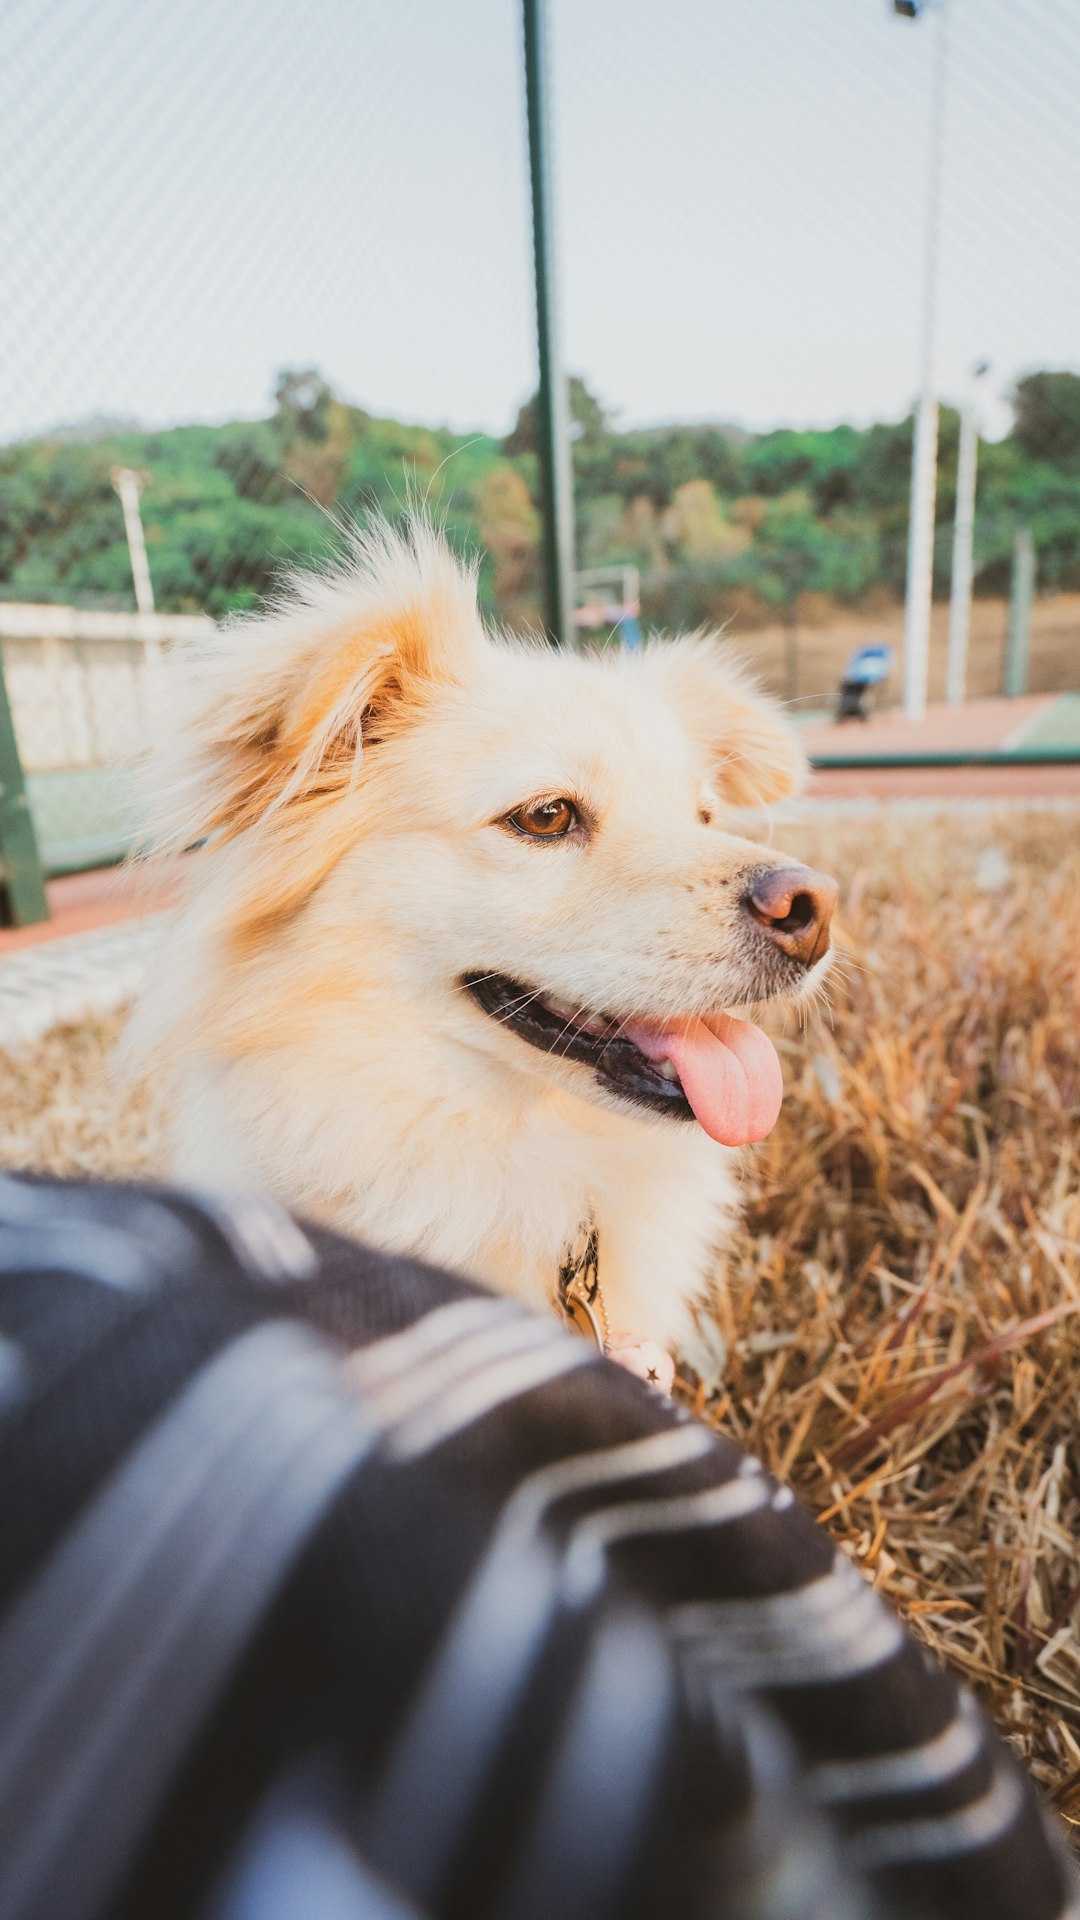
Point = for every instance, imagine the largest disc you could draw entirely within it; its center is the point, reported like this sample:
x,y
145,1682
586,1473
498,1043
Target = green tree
x,y
509,531
589,422
1047,423
303,401
252,456
820,461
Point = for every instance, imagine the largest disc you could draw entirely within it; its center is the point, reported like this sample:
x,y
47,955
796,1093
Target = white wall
x,y
79,683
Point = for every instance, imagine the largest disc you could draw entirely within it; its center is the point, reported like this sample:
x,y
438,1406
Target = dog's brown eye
x,y
544,819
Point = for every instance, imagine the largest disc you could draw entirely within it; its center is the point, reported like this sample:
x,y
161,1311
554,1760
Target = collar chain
x,y
579,1287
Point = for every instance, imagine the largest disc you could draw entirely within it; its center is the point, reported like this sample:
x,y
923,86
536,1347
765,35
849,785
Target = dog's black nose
x,y
793,907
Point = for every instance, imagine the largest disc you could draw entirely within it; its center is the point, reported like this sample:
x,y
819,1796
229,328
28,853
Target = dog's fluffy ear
x,y
752,753
281,705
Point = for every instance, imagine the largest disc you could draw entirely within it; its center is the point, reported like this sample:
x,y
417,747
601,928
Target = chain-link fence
x,y
272,265
306,226
853,199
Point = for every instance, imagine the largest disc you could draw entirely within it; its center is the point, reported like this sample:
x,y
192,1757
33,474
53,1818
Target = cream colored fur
x,y
349,760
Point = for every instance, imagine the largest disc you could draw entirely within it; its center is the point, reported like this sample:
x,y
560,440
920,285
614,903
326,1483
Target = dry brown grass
x,y
903,1309
63,1109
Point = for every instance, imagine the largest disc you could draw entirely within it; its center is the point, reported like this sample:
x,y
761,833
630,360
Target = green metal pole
x,y
977,757
553,423
1023,593
791,655
22,887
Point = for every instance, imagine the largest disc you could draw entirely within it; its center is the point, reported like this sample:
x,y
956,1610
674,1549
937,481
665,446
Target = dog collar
x,y
582,1303
579,1287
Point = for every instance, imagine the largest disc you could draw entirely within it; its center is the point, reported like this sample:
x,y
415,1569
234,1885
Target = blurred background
x,y
816,263
266,266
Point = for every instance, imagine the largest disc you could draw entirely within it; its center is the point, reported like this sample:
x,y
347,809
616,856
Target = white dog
x,y
455,965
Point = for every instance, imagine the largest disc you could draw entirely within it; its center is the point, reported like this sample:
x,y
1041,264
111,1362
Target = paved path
x,y
1059,726
74,977
82,901
996,726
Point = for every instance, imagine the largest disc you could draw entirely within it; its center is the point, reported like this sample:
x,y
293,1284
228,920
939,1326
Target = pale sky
x,y
193,194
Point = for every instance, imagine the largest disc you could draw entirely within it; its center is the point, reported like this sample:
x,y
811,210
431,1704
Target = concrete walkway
x,y
88,958
990,726
82,901
74,977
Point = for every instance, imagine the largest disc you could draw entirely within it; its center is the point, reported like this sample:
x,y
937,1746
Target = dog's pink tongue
x,y
729,1070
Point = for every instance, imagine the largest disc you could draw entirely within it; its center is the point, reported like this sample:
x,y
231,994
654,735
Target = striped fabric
x,y
321,1558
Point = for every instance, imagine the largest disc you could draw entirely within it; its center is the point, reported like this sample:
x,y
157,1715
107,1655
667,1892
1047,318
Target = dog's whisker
x,y
822,1004
514,1007
569,1028
511,1008
504,1019
475,980
617,1035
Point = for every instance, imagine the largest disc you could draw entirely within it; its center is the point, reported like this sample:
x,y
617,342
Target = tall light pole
x,y
128,485
963,543
920,563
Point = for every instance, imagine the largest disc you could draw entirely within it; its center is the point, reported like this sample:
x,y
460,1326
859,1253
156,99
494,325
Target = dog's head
x,y
530,849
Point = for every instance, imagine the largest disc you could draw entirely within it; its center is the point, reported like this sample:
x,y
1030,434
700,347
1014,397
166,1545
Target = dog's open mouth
x,y
722,1072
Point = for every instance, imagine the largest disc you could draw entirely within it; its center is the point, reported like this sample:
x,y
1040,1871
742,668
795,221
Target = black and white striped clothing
x,y
332,1587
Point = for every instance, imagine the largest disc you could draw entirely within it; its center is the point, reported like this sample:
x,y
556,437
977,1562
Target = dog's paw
x,y
643,1357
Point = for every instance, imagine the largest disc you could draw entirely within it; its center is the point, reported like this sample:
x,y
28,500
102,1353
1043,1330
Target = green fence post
x,y
22,886
791,654
552,408
1023,593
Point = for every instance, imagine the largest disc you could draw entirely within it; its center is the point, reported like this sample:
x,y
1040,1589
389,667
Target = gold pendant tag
x,y
579,1289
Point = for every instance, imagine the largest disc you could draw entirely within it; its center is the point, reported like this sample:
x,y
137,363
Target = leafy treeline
x,y
719,521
